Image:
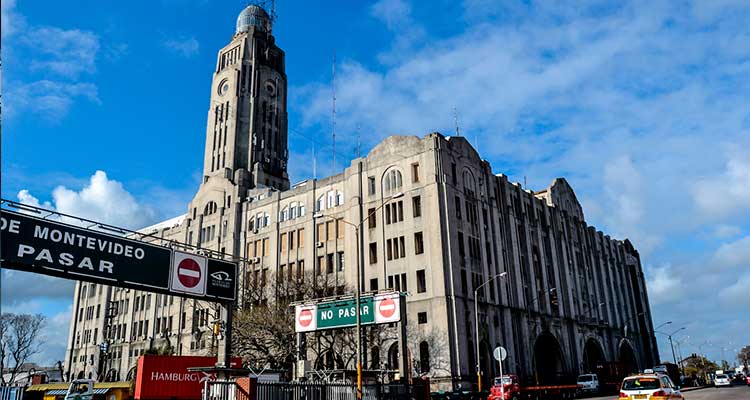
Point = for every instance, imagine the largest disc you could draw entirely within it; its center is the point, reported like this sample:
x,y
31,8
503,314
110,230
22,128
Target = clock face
x,y
271,88
223,88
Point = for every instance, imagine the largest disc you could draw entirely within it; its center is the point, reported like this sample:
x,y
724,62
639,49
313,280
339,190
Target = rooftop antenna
x,y
358,135
333,108
455,121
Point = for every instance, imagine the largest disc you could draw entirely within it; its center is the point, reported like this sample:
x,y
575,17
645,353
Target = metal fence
x,y
11,393
331,391
223,390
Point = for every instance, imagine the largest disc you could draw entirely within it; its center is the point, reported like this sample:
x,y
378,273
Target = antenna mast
x,y
455,121
333,108
358,144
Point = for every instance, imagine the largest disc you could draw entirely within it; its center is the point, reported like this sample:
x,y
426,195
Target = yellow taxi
x,y
649,386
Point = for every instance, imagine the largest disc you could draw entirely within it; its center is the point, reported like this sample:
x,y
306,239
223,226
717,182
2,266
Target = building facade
x,y
440,224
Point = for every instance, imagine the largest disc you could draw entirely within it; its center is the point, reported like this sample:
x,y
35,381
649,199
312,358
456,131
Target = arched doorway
x,y
393,356
549,366
592,355
627,357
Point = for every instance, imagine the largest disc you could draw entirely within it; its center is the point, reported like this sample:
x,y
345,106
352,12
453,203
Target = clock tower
x,y
246,135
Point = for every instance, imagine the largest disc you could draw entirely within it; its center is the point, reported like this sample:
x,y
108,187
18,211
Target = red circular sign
x,y
305,318
387,308
189,273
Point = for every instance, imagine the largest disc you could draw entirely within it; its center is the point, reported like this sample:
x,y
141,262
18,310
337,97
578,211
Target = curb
x,y
690,389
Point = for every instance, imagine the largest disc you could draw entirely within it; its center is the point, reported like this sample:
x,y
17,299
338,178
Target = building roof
x,y
169,223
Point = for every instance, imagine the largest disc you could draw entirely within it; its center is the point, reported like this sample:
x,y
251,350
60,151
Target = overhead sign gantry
x,y
58,249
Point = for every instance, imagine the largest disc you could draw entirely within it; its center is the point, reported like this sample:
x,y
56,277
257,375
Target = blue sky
x,y
642,106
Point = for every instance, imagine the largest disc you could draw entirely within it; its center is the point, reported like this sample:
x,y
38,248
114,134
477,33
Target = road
x,y
731,393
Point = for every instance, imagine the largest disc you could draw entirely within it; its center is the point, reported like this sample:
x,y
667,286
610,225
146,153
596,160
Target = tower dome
x,y
253,16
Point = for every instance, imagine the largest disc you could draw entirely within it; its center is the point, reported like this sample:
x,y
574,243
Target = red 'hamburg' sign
x,y
189,273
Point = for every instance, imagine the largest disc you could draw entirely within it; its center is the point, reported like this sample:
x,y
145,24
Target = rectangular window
x,y
283,239
402,246
422,317
387,214
416,206
372,220
281,275
418,243
340,228
330,231
415,172
321,265
265,247
461,249
301,238
340,265
403,282
373,253
329,263
389,249
321,232
400,214
371,185
421,281
453,172
390,282
292,234
458,207
374,284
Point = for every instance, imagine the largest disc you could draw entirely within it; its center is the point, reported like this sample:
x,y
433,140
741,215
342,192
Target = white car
x,y
589,383
722,380
649,386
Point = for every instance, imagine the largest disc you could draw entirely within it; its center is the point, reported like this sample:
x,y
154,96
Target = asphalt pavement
x,y
730,393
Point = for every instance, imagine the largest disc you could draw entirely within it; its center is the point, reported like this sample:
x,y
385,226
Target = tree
x,y
744,357
19,341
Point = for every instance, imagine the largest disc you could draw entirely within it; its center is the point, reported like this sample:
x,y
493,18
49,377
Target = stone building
x,y
571,296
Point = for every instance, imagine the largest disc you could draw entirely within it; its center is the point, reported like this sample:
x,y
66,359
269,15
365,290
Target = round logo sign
x,y
305,318
387,308
189,273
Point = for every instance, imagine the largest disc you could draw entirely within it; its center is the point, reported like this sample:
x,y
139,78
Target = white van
x,y
589,383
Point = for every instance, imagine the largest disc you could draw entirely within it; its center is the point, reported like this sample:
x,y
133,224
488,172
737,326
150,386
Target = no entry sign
x,y
188,273
382,308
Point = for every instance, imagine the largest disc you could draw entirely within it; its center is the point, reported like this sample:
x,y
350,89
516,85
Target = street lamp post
x,y
358,291
476,324
671,344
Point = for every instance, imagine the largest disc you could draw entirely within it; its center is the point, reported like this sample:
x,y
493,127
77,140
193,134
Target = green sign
x,y
344,313
381,308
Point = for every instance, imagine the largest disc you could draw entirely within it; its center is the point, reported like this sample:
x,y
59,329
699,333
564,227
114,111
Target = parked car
x,y
722,380
649,386
589,383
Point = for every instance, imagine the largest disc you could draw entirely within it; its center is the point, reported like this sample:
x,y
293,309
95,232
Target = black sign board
x,y
57,249
222,279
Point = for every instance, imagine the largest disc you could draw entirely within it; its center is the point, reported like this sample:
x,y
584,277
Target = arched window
x,y
293,211
392,181
321,203
210,208
424,357
284,214
301,209
331,199
469,184
262,220
339,198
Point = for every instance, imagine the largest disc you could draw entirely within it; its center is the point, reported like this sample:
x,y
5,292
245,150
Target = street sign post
x,y
500,354
374,309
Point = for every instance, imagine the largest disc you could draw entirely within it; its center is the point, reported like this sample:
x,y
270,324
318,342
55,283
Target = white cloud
x,y
65,52
734,254
737,293
664,284
10,20
102,199
726,231
49,99
726,193
186,47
